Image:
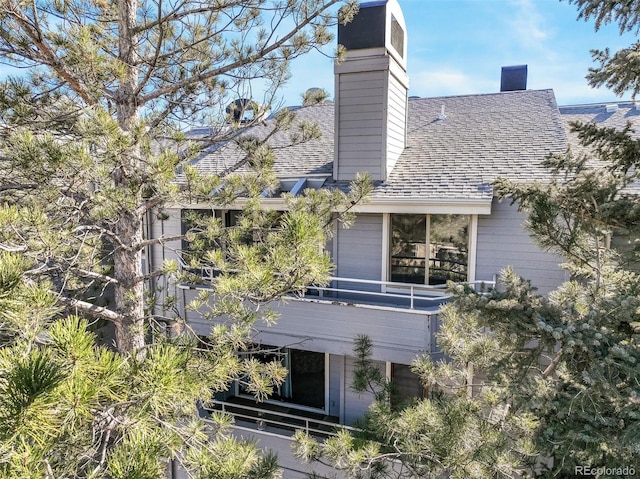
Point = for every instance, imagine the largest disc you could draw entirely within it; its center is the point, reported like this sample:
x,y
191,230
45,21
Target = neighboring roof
x,y
612,115
609,115
309,158
482,138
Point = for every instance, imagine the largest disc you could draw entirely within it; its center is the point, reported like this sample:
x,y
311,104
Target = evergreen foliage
x,y
93,150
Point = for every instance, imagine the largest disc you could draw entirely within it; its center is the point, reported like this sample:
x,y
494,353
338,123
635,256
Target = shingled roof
x,y
610,115
483,137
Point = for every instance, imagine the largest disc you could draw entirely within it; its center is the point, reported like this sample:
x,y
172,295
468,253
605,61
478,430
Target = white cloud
x,y
528,23
572,90
442,82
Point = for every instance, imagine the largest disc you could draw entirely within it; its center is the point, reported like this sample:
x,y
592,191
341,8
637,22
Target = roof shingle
x,y
483,137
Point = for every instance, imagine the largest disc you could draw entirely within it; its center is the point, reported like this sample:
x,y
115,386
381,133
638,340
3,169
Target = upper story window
x,y
429,249
224,230
193,224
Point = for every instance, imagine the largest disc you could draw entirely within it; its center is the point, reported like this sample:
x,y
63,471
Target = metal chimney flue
x,y
513,78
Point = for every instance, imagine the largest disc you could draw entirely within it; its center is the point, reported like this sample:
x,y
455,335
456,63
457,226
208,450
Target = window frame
x,y
237,391
387,245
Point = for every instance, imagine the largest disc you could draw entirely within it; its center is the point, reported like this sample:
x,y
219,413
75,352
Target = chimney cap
x,y
378,24
513,78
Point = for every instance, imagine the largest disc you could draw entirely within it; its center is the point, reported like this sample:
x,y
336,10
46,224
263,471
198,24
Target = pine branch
x,y
242,61
47,55
91,309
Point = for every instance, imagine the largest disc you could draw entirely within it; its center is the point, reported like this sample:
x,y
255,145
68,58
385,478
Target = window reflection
x,y
429,249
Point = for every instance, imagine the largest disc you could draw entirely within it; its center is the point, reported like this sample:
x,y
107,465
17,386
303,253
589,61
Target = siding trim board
x,y
386,204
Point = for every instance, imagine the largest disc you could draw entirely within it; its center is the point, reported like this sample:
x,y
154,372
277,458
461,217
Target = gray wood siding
x,y
396,121
359,252
360,124
503,241
278,441
331,327
168,225
356,404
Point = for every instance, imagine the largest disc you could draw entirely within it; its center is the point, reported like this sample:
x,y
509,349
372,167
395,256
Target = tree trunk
x,y
127,259
129,291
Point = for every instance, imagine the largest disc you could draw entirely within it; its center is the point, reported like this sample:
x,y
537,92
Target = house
x,y
431,217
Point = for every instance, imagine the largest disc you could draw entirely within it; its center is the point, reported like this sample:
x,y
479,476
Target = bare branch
x,y
161,241
103,231
93,275
172,88
91,309
13,249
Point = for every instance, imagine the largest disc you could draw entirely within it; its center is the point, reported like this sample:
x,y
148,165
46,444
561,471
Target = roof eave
x,y
406,205
420,205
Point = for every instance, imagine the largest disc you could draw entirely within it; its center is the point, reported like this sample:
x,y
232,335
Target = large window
x,y
305,382
198,222
429,249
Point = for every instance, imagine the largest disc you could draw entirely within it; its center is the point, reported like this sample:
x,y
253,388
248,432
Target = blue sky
x,y
458,47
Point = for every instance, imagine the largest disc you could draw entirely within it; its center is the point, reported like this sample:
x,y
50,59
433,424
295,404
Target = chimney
x,y
371,87
513,78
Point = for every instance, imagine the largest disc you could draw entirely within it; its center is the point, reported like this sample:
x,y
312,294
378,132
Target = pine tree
x,y
92,148
93,132
70,407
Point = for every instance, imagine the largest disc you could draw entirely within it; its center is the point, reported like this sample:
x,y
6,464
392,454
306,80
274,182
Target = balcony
x,y
401,319
386,294
272,427
275,419
366,292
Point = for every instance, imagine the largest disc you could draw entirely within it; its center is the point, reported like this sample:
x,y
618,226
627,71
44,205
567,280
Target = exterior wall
x,y
371,113
396,123
356,404
503,241
292,468
164,227
336,380
398,335
360,118
359,250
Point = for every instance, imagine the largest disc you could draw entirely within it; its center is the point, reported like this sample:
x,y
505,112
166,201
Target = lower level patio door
x,y
305,386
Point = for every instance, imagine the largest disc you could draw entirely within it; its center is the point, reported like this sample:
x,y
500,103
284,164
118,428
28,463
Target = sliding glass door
x,y
429,249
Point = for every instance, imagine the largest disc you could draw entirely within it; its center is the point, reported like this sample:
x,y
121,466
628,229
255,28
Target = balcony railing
x,y
272,419
358,291
387,293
